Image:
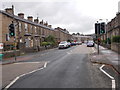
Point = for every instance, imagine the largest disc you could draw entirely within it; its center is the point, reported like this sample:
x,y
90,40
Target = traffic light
x,y
102,28
97,28
11,30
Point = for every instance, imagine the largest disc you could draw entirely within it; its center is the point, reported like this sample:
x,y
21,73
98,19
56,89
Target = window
x,y
7,37
26,27
31,29
20,27
35,29
43,31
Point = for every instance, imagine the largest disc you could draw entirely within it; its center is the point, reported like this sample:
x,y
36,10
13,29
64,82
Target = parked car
x,y
69,44
73,43
90,44
78,43
63,44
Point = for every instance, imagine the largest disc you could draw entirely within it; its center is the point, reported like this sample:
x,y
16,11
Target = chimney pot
x,y
36,20
21,15
9,10
30,18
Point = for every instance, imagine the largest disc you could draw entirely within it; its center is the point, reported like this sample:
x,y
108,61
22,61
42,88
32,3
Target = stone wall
x,y
11,53
115,47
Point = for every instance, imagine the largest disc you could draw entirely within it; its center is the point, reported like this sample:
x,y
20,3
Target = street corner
x,y
19,69
100,59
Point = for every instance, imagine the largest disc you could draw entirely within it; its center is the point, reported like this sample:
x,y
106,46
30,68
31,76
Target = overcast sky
x,y
74,15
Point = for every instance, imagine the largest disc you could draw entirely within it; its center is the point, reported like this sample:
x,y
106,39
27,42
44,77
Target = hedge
x,y
116,39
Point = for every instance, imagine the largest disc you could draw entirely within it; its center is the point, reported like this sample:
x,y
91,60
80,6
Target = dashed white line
x,y
45,65
25,62
68,53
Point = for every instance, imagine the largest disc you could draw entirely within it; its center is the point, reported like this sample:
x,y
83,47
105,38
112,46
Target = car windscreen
x,y
62,42
90,42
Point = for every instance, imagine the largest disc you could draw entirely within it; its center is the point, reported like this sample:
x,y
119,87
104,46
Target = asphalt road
x,y
66,68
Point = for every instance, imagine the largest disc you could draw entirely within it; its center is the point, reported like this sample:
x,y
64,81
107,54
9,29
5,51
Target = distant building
x,y
82,38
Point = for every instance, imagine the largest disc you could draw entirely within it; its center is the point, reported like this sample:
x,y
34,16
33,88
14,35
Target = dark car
x,y
73,43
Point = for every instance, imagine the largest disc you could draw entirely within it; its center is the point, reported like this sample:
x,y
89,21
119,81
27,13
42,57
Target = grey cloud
x,y
57,13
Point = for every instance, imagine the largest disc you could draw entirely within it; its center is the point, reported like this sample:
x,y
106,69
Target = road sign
x,y
1,45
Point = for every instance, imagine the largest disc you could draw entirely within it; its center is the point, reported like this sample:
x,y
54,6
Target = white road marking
x,y
45,65
113,84
9,85
68,53
25,62
113,80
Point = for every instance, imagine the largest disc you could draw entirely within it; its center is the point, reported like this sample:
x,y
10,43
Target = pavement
x,y
23,58
106,56
110,59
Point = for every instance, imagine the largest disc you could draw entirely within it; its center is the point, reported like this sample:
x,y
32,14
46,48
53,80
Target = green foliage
x,y
109,40
116,39
104,41
44,43
50,40
68,40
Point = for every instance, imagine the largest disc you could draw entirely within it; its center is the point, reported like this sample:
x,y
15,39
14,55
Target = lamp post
x,y
97,38
106,31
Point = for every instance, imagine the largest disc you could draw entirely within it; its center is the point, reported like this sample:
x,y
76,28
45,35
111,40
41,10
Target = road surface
x,y
66,68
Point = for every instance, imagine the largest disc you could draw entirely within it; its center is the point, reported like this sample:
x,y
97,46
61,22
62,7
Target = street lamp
x,y
106,31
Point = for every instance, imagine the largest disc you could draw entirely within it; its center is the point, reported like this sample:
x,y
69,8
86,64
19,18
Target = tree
x,y
78,33
50,38
73,34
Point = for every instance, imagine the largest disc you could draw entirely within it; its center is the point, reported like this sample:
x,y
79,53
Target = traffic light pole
x,y
97,38
14,35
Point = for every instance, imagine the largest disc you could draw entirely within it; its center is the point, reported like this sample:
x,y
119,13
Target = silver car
x,y
90,44
63,44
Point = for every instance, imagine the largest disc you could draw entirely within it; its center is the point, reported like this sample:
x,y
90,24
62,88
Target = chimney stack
x,y
30,18
21,15
41,22
36,20
50,26
10,10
